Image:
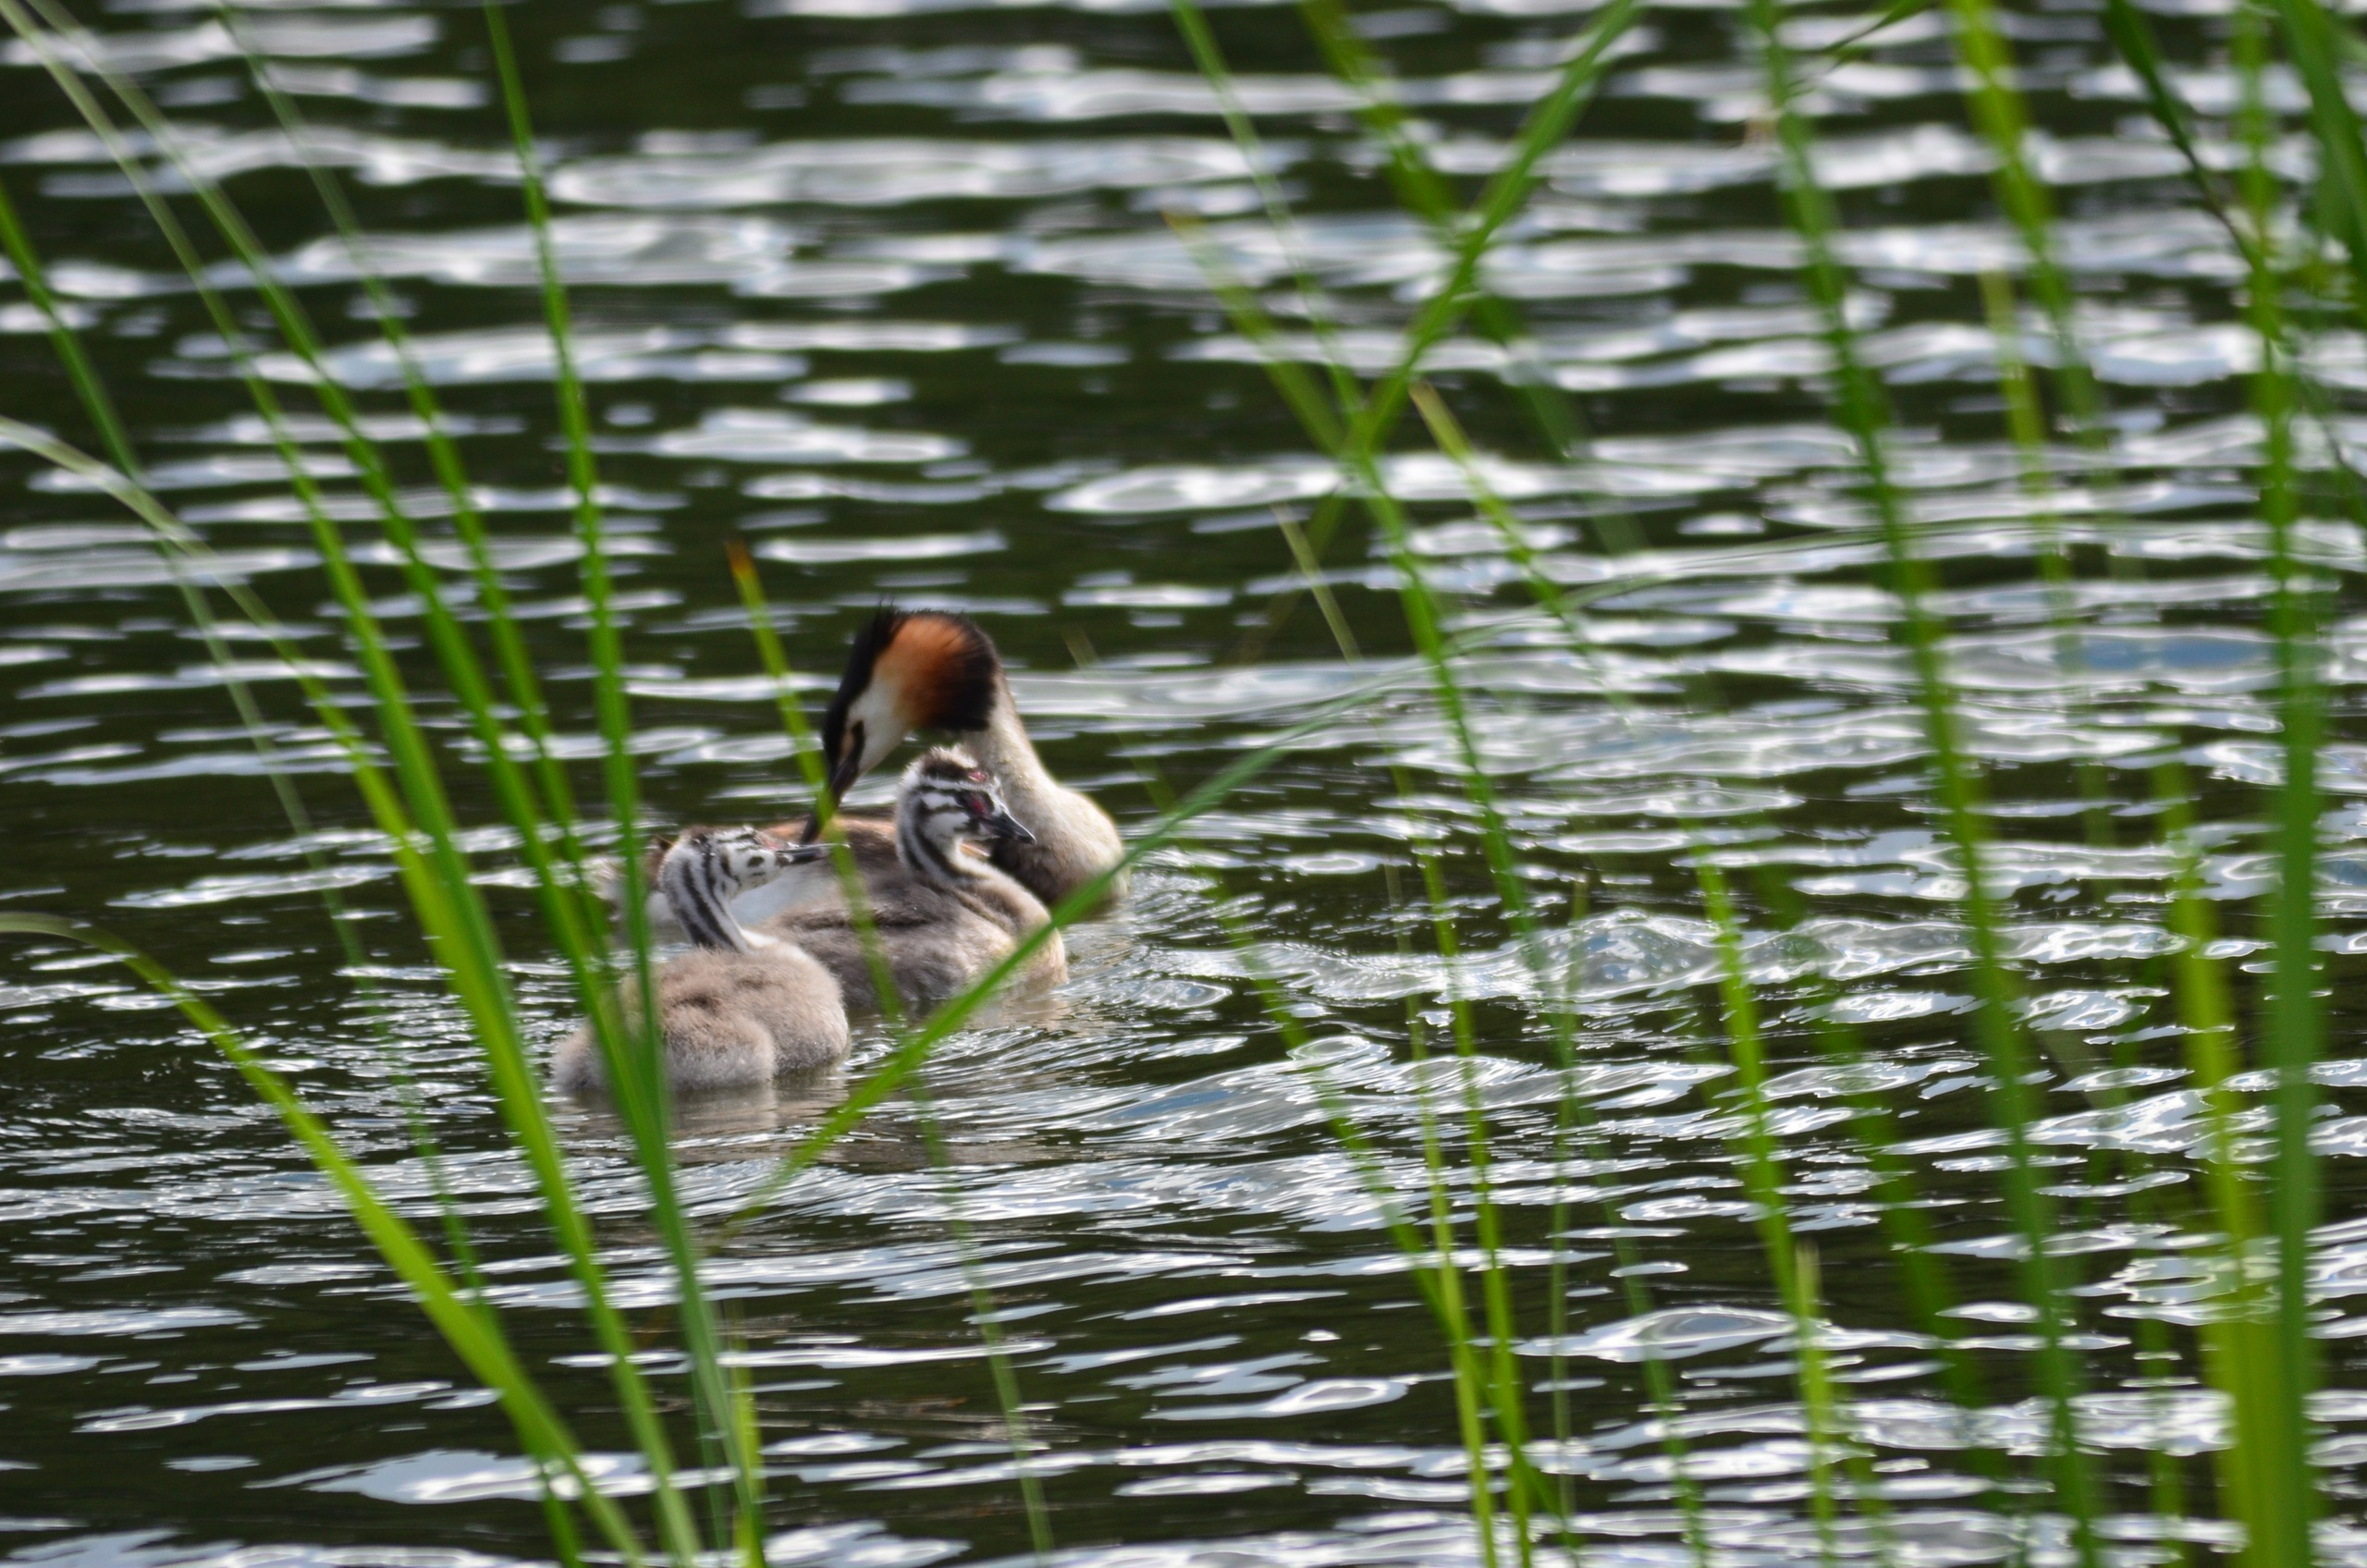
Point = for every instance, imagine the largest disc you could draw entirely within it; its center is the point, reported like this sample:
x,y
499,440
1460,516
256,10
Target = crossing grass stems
x,y
2255,1347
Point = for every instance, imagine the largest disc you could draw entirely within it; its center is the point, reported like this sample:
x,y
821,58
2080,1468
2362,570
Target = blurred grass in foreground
x,y
2257,1205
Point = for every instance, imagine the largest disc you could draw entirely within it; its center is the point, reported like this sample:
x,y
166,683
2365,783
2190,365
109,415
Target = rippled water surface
x,y
885,286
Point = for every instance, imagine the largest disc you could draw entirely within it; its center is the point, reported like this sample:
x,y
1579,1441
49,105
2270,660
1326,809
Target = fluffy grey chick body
x,y
945,915
739,1008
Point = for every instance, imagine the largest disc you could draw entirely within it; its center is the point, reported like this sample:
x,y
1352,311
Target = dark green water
x,y
884,285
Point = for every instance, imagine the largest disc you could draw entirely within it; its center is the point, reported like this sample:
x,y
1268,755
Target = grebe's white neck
x,y
1075,839
1004,750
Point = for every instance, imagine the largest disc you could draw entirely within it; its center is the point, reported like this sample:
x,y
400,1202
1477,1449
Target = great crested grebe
x,y
946,914
741,1007
932,669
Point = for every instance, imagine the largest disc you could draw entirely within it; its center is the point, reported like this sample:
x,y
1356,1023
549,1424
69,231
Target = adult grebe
x,y
931,670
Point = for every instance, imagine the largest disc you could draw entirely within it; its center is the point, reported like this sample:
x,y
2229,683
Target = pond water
x,y
888,287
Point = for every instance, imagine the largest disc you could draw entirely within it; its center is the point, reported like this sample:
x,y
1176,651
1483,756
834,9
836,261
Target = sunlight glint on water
x,y
887,289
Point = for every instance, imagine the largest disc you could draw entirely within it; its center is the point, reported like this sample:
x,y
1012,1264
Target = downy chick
x,y
741,1007
945,915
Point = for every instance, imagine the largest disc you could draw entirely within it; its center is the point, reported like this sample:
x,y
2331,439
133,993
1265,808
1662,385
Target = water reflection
x,y
717,1124
885,286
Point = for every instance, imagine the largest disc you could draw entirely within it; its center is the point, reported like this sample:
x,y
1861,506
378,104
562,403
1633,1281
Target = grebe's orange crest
x,y
941,668
920,669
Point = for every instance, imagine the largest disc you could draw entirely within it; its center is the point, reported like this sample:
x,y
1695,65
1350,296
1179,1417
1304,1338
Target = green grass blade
x,y
2026,422
435,901
1928,1283
1468,239
1356,459
101,410
2314,38
1000,1369
2243,1348
516,662
88,389
1209,57
415,766
1864,414
1528,1489
1431,1260
2132,36
1763,1181
451,645
2296,1018
647,1111
1802,1293
473,1333
912,1051
809,760
2003,119
1757,1151
451,913
2253,238
1851,45
479,979
1003,1374
1422,191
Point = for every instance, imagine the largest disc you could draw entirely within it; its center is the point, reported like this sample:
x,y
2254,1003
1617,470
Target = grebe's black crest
x,y
870,639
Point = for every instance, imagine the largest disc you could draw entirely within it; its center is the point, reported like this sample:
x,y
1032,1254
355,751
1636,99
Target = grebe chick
x,y
812,879
741,1007
930,670
945,915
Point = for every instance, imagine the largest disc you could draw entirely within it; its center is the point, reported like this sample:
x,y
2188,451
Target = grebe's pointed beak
x,y
842,777
1002,825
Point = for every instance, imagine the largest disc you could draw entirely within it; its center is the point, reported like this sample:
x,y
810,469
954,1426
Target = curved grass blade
x,y
1757,1151
1192,23
1864,414
1425,193
458,926
647,1112
91,391
1004,1375
517,665
914,1051
2314,40
451,916
1926,1277
473,1333
1433,1262
1571,1117
1469,237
